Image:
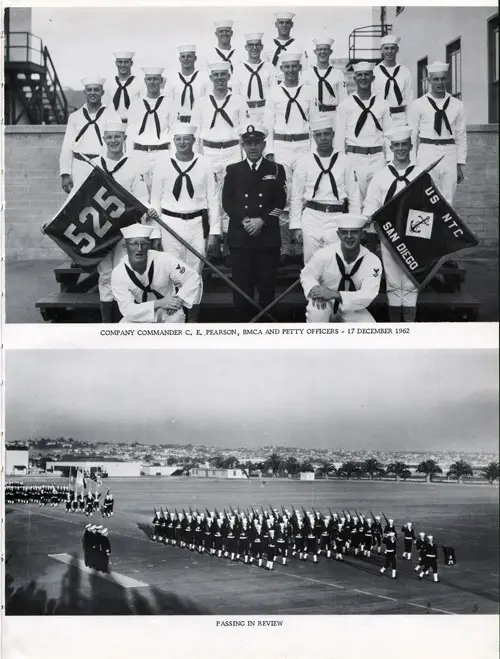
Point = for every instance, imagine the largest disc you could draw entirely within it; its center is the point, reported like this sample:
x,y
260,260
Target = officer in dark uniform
x,y
253,196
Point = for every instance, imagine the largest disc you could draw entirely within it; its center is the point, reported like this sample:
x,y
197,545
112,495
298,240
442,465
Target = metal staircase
x,y
33,92
364,43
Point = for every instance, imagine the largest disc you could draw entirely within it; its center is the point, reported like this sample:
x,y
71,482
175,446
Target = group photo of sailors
x,y
259,157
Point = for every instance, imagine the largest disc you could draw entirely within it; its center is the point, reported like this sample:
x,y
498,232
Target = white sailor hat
x,y
93,528
114,127
137,231
438,67
223,24
391,533
323,41
377,516
104,532
155,234
321,124
389,39
254,36
290,57
183,129
399,133
123,54
219,66
284,16
350,221
391,521
187,48
253,130
93,80
362,66
431,537
153,70
88,526
408,523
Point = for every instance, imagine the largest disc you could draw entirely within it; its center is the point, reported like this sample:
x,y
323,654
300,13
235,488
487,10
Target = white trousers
x,y
146,163
401,291
318,229
79,172
105,269
365,167
220,159
288,154
192,232
326,315
444,174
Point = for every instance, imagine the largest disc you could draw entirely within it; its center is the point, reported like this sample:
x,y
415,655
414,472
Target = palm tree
x,y
292,465
372,467
459,469
348,469
430,468
217,461
326,468
398,469
491,472
306,466
231,462
273,463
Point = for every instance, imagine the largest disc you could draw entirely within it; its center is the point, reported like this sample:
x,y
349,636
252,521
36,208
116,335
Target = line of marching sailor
x,y
263,537
195,147
55,495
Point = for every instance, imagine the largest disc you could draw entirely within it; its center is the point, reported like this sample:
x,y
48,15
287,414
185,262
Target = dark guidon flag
x,y
87,227
421,228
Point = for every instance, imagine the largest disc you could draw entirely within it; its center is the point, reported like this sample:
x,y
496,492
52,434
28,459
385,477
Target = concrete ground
x,y
149,578
28,281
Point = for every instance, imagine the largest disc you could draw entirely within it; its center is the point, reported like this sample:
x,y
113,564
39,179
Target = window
x,y
493,69
454,59
422,84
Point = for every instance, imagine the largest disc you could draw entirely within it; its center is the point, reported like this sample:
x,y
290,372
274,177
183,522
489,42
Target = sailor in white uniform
x,y
125,87
185,87
184,194
395,176
327,81
323,187
151,286
341,280
439,129
393,81
254,77
83,134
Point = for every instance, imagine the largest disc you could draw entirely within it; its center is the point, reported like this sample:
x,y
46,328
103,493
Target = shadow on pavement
x,y
107,597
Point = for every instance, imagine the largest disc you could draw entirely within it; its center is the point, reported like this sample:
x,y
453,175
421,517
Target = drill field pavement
x,y
44,572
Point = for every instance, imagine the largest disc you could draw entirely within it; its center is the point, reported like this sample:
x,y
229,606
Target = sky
x,y
363,399
81,41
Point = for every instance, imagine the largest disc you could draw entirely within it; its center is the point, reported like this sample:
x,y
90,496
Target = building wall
x,y
114,469
438,26
33,194
15,459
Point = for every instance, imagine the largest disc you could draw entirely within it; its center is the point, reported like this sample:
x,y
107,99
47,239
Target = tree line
x,y
372,468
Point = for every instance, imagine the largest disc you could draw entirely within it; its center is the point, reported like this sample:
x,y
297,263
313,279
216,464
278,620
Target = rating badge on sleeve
x,y
419,224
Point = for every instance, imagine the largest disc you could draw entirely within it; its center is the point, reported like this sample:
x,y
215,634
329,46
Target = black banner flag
x,y
421,228
88,226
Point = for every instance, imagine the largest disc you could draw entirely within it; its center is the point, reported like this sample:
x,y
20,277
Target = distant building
x,y
210,472
113,469
16,462
162,470
307,475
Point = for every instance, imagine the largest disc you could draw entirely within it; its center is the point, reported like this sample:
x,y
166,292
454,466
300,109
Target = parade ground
x,y
45,573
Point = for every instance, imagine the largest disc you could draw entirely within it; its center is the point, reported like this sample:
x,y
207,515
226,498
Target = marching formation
x,y
264,537
264,156
55,495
